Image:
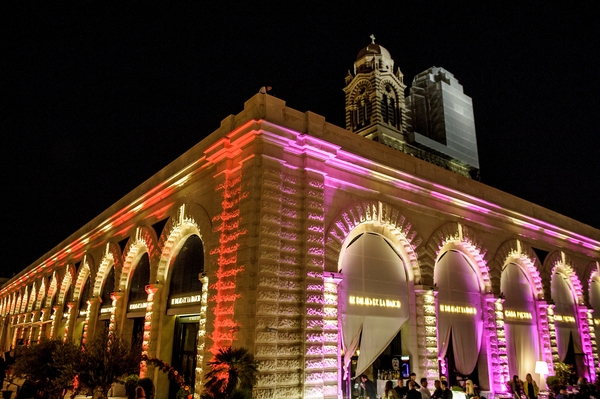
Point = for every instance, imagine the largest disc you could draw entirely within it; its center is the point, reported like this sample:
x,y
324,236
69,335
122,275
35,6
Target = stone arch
x,y
15,302
41,293
559,262
85,271
523,255
52,289
112,257
457,236
32,297
591,271
190,219
24,299
66,282
145,241
375,216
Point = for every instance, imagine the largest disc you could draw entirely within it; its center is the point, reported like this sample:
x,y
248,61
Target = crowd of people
x,y
412,389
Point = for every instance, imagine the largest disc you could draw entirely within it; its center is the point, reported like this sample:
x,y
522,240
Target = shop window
x,y
139,280
188,263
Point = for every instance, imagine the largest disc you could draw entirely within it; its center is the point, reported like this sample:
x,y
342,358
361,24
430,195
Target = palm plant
x,y
232,374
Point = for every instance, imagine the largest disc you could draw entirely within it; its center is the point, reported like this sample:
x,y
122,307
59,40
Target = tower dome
x,y
373,57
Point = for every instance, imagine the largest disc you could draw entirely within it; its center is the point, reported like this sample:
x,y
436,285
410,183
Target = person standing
x,y
447,394
413,378
369,389
470,389
400,388
412,392
438,391
530,387
425,394
515,387
389,392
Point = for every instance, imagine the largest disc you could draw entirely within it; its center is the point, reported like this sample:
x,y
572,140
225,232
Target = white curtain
x,y
377,334
371,269
465,344
522,347
522,342
352,326
458,285
565,307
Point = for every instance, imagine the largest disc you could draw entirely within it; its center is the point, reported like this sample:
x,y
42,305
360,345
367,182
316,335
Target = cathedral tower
x,y
375,106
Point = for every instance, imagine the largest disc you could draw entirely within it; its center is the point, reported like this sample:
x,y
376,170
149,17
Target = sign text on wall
x,y
458,309
380,302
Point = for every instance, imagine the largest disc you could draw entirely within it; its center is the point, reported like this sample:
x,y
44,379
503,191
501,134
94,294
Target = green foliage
x,y
49,363
232,374
562,374
102,363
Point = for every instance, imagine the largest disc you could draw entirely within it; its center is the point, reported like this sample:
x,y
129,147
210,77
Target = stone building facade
x,y
319,250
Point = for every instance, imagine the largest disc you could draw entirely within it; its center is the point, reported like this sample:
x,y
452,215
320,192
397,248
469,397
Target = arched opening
x,y
460,318
374,303
595,302
137,302
520,320
568,339
82,310
106,301
185,293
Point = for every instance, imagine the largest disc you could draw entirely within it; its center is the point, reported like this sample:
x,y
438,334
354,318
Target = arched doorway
x,y
568,338
374,304
185,292
520,320
460,319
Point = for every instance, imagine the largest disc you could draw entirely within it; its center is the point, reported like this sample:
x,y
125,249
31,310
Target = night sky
x,y
98,98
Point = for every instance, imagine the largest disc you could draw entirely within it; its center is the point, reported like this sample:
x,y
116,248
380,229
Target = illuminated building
x,y
326,254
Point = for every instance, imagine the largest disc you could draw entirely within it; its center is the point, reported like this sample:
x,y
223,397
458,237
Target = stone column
x,y
588,340
150,329
552,337
115,312
68,334
495,339
200,349
544,333
427,344
89,326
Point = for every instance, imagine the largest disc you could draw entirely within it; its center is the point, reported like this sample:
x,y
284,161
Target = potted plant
x,y
232,374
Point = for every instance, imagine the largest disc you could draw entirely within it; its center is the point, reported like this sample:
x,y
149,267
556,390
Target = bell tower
x,y
375,107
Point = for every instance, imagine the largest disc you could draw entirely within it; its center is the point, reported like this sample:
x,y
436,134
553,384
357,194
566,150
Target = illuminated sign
x,y
379,302
517,315
106,310
564,319
138,306
186,300
458,309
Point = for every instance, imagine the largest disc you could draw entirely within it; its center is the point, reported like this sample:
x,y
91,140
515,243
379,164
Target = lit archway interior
x,y
374,298
595,302
520,320
459,310
565,319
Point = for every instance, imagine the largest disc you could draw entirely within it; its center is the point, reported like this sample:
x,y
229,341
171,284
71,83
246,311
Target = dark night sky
x,y
98,98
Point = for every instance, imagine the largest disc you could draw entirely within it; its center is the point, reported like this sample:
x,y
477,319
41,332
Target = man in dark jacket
x,y
438,391
447,392
412,392
400,388
368,387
